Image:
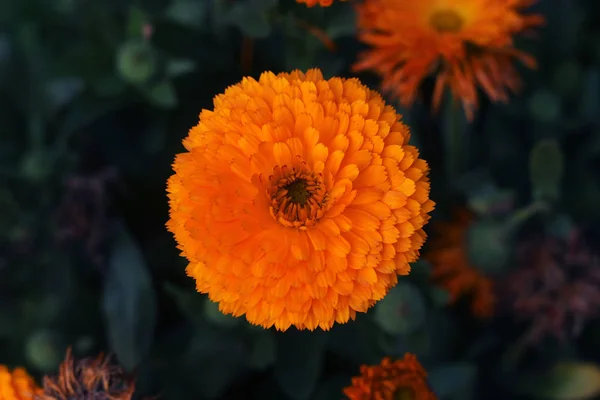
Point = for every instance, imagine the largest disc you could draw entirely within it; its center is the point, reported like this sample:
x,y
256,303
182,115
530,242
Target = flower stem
x,y
454,142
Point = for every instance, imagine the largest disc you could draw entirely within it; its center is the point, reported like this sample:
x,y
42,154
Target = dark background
x,y
95,98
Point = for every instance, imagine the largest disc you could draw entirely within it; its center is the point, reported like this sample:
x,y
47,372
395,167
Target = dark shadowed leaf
x,y
546,168
262,349
332,388
177,68
299,361
129,301
402,311
162,95
453,381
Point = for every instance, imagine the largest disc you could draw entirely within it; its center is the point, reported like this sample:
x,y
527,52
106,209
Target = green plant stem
x,y
454,142
522,215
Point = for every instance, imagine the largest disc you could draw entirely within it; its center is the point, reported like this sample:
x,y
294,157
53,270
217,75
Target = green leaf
x,y
343,23
61,91
135,25
190,303
190,13
129,301
136,62
564,381
487,246
262,350
299,362
546,169
402,311
216,317
177,68
453,381
162,95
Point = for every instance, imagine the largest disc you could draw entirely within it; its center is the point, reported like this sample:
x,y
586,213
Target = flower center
x,y
446,21
298,196
404,394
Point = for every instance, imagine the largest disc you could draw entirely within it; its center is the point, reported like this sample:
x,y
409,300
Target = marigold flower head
x,y
299,200
468,43
87,378
452,269
557,285
404,379
17,384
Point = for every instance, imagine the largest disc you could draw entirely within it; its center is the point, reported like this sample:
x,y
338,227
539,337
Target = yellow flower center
x,y
404,394
298,197
446,21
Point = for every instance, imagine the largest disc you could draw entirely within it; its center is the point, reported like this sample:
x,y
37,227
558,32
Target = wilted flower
x,y
466,43
17,384
88,379
403,379
452,269
557,286
299,201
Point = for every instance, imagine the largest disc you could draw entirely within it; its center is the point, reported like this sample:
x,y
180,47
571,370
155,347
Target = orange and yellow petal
x,y
453,271
298,201
17,384
401,379
467,44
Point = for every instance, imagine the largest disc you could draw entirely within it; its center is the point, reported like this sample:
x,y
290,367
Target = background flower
x,y
400,379
466,44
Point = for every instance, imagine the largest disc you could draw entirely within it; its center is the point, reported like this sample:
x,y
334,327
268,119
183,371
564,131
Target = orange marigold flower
x,y
299,200
403,379
469,43
16,384
452,269
87,378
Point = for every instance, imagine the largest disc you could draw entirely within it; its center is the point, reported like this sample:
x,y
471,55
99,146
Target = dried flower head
x,y
298,201
88,379
466,43
403,379
452,269
557,286
17,384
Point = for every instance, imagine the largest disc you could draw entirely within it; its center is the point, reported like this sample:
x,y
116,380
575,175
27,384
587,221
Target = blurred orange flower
x,y
466,43
401,379
452,269
299,200
17,384
87,378
312,3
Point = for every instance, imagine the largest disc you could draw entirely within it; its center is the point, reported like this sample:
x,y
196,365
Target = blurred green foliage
x,y
95,97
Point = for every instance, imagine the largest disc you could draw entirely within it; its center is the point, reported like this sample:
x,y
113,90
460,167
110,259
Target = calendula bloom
x,y
404,379
17,384
299,200
88,378
466,43
452,269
